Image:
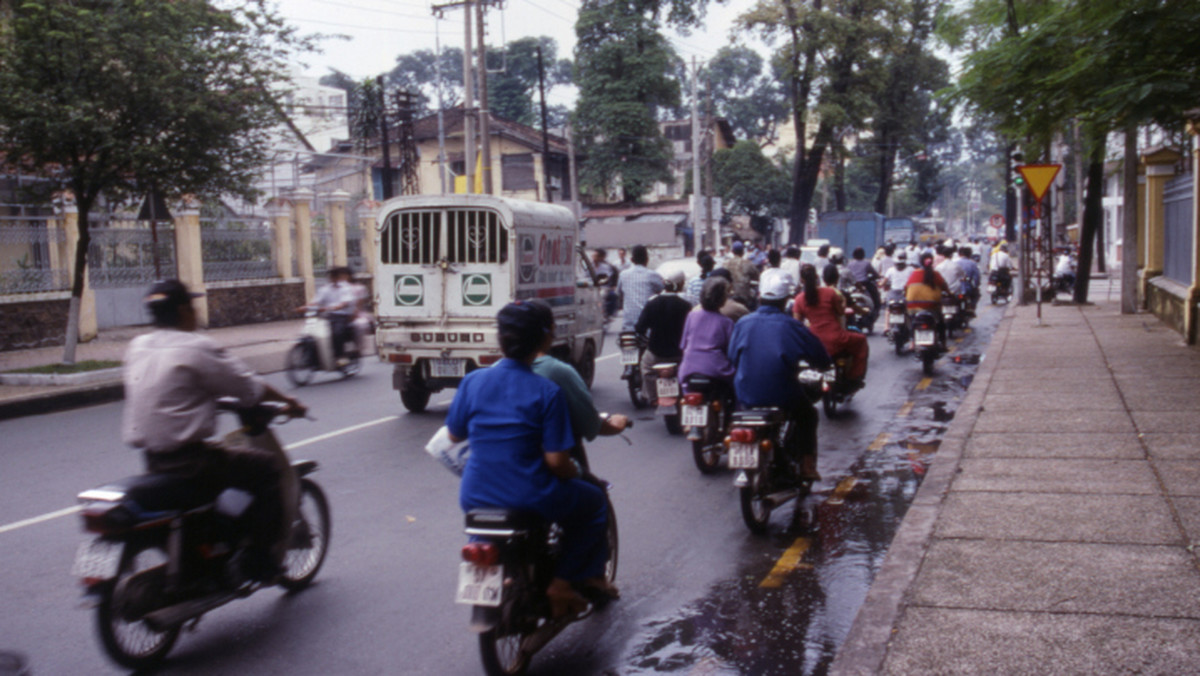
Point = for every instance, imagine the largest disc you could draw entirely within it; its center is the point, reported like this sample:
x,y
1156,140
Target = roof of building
x,y
426,128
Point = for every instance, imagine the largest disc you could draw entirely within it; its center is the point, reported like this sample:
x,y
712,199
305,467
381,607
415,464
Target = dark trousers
x,y
802,436
583,516
340,331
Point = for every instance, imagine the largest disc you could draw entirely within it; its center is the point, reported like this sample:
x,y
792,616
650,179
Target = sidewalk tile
x,y
1181,477
1148,581
1053,445
1034,381
1173,446
954,641
1166,421
1082,476
1041,374
1055,517
1100,398
1053,421
1189,513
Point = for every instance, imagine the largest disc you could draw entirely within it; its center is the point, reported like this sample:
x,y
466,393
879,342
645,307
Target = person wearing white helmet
x,y
661,324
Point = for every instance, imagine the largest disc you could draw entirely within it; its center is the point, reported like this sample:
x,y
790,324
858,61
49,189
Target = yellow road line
x,y
905,410
789,561
839,492
879,442
925,382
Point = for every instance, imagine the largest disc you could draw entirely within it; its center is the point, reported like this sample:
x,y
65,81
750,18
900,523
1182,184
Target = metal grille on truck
x,y
411,237
475,236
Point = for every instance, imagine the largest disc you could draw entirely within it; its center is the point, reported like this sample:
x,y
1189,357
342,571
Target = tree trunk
x,y
839,177
1093,217
887,166
1129,229
1101,246
84,208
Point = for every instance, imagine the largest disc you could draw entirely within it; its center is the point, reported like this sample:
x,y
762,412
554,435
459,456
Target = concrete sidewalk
x,y
1054,532
262,346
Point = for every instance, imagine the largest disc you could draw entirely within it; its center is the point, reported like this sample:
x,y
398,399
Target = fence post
x,y
88,329
337,225
367,211
1160,168
189,255
301,199
281,238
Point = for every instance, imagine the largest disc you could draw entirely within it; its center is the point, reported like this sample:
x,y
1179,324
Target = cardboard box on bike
x,y
448,263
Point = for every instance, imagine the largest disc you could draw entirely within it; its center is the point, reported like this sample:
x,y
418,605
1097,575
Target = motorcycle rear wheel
x,y
674,428
899,339
129,641
755,510
830,404
310,538
301,364
706,451
500,648
635,394
927,360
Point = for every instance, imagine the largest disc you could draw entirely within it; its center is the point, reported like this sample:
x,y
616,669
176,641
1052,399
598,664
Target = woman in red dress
x,y
824,308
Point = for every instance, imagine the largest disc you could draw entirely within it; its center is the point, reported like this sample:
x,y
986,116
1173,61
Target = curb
x,y
64,379
866,645
52,402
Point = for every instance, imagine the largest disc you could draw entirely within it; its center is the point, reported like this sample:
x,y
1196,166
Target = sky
x,y
379,30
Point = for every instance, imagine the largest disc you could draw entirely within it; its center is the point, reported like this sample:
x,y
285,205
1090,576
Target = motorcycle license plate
x,y
97,559
448,368
948,312
896,320
479,585
743,456
668,387
694,416
629,356
924,338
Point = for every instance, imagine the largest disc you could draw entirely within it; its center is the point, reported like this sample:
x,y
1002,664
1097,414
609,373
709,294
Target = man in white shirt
x,y
896,278
338,303
173,379
950,270
791,263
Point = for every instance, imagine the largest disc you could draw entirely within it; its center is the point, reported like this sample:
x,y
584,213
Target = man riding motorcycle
x,y
173,379
767,347
338,302
662,323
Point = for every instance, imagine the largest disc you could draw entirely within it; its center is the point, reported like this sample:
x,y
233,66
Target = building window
x,y
517,172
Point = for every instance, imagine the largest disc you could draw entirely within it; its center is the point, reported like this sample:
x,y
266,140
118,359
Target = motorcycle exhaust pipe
x,y
173,616
781,497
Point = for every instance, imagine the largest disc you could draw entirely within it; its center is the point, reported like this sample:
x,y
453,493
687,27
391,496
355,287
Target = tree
x,y
750,100
513,91
749,183
107,98
623,66
417,72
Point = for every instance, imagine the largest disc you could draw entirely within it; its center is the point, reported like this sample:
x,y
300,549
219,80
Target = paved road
x,y
699,591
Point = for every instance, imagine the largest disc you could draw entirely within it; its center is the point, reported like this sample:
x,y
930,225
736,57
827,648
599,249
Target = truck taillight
x,y
400,358
481,553
489,359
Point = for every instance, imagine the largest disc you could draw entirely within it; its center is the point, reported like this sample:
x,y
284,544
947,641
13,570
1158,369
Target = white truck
x,y
448,263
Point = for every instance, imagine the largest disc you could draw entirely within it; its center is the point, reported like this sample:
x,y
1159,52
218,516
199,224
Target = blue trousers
x,y
582,511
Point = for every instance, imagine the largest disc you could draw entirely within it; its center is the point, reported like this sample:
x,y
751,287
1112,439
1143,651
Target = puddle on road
x,y
739,627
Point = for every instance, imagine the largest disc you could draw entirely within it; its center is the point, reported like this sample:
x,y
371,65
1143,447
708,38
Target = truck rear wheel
x,y
415,400
586,366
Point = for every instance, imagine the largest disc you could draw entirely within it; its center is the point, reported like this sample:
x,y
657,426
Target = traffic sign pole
x,y
1039,177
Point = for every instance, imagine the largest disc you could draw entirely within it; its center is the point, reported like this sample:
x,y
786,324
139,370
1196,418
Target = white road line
x,y
608,356
304,442
39,519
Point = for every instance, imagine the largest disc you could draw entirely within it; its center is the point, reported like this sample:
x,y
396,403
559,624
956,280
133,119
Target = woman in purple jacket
x,y
706,335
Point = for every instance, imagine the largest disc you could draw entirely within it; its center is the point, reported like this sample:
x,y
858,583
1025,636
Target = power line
x,y
372,9
322,22
551,12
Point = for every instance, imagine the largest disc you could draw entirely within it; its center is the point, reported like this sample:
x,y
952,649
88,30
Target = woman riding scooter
x,y
824,307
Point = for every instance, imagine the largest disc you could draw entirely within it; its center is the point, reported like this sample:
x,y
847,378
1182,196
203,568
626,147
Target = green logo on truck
x,y
410,290
477,289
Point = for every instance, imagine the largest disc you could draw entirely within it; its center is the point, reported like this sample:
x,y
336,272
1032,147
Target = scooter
x,y
897,322
165,552
927,340
503,576
631,360
864,322
313,352
666,383
1000,286
951,312
836,386
706,413
765,477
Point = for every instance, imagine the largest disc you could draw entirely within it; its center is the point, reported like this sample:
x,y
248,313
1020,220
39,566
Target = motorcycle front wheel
x,y
136,591
635,394
301,364
755,510
309,538
674,427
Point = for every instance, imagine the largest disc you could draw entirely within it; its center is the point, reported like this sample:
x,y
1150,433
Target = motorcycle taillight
x,y
104,518
742,435
481,553
693,399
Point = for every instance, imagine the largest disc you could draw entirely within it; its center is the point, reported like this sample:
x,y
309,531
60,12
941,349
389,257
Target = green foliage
x,y
750,183
751,100
623,67
417,72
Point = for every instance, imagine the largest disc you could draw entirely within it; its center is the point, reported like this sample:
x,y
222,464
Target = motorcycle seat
x,y
162,492
758,416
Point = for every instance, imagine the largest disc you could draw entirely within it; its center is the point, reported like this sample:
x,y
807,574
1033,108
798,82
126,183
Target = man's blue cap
x,y
738,247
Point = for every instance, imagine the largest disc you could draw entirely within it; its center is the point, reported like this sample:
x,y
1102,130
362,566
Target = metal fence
x,y
129,257
1177,225
26,263
235,250
354,237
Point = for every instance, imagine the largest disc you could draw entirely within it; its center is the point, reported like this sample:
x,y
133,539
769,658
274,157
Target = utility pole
x,y
545,126
696,156
574,187
387,150
437,71
485,138
709,225
468,100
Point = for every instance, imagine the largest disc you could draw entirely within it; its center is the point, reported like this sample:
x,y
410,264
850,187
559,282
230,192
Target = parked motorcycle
x,y
313,352
1000,286
166,552
503,576
927,340
707,410
897,322
666,383
631,359
766,477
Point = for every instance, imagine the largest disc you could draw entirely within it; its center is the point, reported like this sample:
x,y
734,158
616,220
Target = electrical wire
x,y
322,22
372,9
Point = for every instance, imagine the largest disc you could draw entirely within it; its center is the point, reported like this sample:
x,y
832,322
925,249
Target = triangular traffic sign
x,y
1039,177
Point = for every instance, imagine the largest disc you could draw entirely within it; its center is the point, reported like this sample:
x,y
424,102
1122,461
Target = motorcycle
x,y
706,413
1000,286
313,352
897,322
631,358
836,386
766,478
927,340
952,311
503,576
166,552
666,383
